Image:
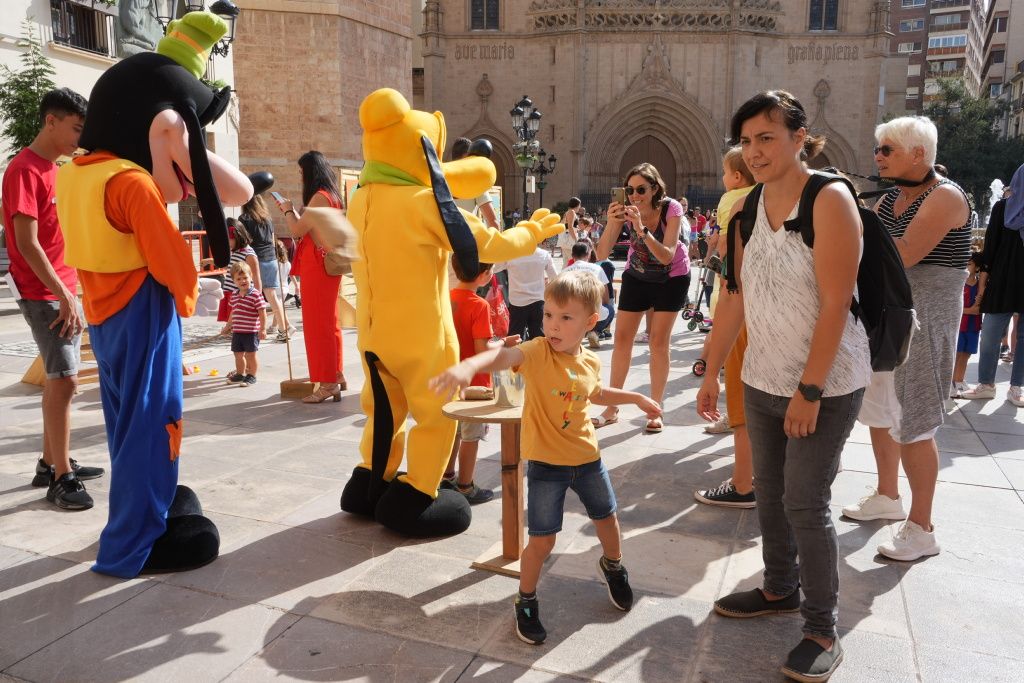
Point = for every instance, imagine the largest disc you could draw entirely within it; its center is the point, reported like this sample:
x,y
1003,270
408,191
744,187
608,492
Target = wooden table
x,y
507,562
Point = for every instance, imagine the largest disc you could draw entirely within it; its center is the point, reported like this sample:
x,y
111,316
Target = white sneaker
x,y
272,330
593,341
1016,396
982,391
719,426
958,389
875,506
911,543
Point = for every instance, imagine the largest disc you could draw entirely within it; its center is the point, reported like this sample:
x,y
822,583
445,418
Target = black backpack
x,y
884,302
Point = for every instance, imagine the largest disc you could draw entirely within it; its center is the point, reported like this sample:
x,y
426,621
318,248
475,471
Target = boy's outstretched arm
x,y
497,357
610,396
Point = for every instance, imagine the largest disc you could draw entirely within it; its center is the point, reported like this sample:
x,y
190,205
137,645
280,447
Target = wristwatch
x,y
810,392
644,231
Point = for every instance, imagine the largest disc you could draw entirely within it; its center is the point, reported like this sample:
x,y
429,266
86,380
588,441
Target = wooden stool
x,y
36,373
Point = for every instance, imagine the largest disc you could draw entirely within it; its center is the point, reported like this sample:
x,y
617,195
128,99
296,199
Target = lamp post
x,y
526,122
543,171
167,11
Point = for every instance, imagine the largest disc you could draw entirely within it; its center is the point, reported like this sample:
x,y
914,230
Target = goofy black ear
x,y
206,191
459,235
217,106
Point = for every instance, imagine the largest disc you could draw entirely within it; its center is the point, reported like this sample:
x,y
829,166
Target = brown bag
x,y
332,232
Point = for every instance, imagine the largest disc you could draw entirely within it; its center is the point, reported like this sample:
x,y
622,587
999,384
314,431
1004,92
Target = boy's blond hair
x,y
240,267
576,285
733,160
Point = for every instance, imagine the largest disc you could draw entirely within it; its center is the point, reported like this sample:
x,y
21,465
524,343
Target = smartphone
x,y
277,197
619,195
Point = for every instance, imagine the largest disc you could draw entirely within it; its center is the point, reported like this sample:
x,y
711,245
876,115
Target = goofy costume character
x,y
144,133
408,225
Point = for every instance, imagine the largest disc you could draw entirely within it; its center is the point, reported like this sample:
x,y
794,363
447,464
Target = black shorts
x,y
637,295
245,342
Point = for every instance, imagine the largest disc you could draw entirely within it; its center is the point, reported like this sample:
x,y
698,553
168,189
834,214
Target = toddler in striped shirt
x,y
248,324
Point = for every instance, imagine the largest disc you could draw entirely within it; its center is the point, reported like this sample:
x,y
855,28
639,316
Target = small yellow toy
x,y
214,373
195,368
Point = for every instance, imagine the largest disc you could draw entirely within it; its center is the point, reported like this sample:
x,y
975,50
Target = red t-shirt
x,y
472,318
28,190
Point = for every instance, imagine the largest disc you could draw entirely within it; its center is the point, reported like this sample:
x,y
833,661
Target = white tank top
x,y
780,304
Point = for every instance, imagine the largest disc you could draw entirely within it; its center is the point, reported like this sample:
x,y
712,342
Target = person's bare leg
x,y
240,363
921,463
887,460
537,550
743,467
960,367
450,470
57,395
251,364
276,307
626,325
609,534
467,462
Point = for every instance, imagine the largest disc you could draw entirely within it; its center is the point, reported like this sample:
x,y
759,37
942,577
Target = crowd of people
x,y
797,359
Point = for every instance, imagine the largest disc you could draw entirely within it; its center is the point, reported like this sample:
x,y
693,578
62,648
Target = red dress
x,y
320,327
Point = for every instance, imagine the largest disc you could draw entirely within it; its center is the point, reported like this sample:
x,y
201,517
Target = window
x,y
946,19
998,56
82,27
824,15
913,93
484,15
1000,25
911,25
913,3
948,41
914,70
995,89
950,65
909,47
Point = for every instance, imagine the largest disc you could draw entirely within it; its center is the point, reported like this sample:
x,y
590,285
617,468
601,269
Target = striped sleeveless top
x,y
952,251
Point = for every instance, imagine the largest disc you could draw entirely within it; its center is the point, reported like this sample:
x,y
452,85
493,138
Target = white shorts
x,y
881,408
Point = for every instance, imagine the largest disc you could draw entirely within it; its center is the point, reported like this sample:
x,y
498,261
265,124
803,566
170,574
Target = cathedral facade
x,y
624,81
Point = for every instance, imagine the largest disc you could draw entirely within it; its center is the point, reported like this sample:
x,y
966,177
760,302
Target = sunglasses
x,y
642,190
886,150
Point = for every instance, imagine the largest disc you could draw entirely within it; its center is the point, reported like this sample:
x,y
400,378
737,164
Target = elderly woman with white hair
x,y
929,217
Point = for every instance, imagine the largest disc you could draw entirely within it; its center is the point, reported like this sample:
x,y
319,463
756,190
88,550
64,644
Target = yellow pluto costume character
x,y
408,225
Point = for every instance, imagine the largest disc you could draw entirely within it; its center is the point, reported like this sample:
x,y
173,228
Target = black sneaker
x,y
528,626
249,380
752,603
42,477
809,662
68,493
726,495
474,494
617,579
236,378
449,483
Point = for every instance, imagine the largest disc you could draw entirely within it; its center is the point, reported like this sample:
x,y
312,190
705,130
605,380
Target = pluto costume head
x,y
408,225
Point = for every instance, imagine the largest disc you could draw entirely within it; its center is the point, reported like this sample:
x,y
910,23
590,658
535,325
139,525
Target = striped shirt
x,y
236,256
952,251
245,311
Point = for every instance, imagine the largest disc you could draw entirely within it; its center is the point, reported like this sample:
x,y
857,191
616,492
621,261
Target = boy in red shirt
x,y
45,288
248,324
472,317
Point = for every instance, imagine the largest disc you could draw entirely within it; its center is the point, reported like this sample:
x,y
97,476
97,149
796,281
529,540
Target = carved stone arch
x,y
510,176
838,152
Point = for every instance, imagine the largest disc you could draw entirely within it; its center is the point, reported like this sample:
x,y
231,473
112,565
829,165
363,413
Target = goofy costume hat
x,y
408,226
147,149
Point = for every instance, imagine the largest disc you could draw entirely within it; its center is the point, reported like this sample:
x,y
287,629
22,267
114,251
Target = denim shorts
x,y
61,355
546,487
268,274
245,342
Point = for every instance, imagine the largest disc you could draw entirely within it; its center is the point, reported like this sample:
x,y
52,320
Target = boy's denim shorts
x,y
61,355
546,487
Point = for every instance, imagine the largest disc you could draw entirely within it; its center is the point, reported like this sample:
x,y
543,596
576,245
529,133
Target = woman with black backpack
x,y
806,365
657,276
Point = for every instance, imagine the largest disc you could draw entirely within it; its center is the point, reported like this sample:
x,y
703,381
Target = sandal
x,y
603,421
654,426
323,393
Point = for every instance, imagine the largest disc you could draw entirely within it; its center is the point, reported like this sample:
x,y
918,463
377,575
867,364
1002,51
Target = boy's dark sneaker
x,y
449,483
68,493
809,662
236,378
752,603
726,495
42,477
528,626
617,579
249,380
474,494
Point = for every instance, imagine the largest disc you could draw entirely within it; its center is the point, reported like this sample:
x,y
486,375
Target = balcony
x,y
939,5
936,28
83,27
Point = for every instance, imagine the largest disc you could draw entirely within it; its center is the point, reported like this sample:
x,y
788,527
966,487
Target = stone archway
x,y
655,152
509,175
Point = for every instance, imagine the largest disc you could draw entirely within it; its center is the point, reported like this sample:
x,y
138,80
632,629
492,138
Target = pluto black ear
x,y
261,181
481,148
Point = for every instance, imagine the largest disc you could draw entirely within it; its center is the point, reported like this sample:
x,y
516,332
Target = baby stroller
x,y
709,270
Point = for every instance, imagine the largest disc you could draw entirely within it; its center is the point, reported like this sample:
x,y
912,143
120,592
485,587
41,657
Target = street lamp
x,y
167,11
526,123
543,170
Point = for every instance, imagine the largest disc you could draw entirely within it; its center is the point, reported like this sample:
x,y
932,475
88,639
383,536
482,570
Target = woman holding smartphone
x,y
657,276
320,326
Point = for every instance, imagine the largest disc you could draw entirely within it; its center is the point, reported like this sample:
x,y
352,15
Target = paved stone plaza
x,y
303,591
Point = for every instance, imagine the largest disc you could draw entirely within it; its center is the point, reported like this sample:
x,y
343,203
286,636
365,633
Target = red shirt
x,y
28,190
472,318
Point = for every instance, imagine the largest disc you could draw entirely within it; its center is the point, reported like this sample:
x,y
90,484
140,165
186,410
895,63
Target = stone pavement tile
x,y
427,597
950,665
45,598
1014,471
260,493
972,549
317,457
754,650
669,505
36,525
956,440
954,466
496,671
1003,445
963,612
17,492
167,633
998,417
658,562
12,556
282,567
316,650
323,515
977,505
589,638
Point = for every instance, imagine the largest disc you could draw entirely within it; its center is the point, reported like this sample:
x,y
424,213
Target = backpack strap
x,y
742,222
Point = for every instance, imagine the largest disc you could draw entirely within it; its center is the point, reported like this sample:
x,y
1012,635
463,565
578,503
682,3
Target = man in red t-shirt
x,y
45,288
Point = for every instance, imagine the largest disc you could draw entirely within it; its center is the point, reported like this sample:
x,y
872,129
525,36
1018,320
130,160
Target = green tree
x,y
970,144
22,90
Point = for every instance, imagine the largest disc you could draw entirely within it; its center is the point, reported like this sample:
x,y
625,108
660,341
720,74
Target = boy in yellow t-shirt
x,y
558,439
